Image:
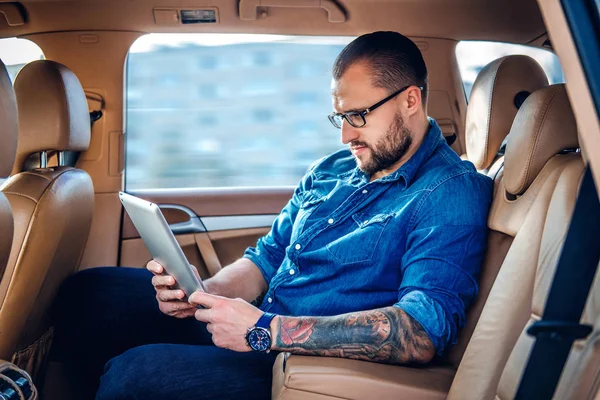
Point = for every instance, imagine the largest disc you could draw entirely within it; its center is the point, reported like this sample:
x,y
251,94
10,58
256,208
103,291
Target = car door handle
x,y
192,225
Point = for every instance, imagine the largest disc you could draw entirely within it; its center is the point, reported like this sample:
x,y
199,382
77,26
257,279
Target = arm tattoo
x,y
258,301
386,335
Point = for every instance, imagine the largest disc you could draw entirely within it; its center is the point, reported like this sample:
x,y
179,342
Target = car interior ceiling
x,y
536,147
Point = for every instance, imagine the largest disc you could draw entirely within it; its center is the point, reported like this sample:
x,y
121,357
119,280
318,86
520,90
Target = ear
x,y
413,102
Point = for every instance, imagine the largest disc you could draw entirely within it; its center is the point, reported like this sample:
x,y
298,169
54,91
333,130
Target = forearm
x,y
240,279
385,335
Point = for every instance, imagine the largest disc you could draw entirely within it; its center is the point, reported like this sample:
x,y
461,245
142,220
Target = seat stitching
x,y
22,195
489,118
536,138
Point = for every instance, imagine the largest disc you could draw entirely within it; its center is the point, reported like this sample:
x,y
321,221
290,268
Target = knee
x,y
96,290
74,292
76,285
125,376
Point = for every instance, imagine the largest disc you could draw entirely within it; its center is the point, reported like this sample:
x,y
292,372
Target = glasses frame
x,y
332,117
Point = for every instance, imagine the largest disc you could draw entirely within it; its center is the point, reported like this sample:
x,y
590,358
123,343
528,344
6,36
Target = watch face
x,y
259,339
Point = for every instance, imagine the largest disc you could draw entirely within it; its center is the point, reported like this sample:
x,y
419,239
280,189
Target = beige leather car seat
x,y
52,208
8,148
537,194
498,91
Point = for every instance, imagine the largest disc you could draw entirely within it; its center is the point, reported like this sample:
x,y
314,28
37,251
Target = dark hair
x,y
394,59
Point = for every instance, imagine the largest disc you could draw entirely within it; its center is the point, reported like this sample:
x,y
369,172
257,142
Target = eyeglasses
x,y
357,118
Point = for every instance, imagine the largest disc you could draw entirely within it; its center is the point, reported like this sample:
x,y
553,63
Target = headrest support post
x,y
61,158
53,111
43,159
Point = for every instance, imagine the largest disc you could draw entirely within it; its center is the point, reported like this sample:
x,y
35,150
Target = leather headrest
x,y
9,128
544,126
53,110
499,89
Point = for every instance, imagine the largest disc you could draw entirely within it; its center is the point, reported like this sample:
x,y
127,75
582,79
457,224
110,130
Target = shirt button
x,y
270,300
330,221
298,247
292,272
365,191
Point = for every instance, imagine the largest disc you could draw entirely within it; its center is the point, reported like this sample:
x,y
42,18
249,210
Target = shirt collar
x,y
408,171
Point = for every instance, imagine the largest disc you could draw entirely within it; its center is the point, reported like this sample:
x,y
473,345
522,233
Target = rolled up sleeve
x,y
444,253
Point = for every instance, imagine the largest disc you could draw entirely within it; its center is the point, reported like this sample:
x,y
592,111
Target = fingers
x,y
179,309
200,298
182,314
154,267
169,295
203,315
162,281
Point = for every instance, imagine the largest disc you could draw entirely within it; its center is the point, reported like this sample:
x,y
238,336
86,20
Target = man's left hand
x,y
226,319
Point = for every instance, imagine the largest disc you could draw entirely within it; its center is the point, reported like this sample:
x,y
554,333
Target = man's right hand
x,y
170,301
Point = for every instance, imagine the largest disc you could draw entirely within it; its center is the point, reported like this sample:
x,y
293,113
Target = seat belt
x,y
560,324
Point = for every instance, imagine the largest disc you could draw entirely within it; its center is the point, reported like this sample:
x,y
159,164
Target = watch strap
x,y
265,321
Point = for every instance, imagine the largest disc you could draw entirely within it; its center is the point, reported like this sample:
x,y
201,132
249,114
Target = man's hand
x,y
169,301
227,320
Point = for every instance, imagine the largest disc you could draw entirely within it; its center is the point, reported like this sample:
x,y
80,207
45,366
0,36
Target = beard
x,y
388,150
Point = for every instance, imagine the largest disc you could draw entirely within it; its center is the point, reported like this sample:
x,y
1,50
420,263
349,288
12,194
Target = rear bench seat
x,y
536,196
535,182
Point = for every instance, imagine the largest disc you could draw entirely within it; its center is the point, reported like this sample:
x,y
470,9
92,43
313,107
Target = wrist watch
x,y
259,336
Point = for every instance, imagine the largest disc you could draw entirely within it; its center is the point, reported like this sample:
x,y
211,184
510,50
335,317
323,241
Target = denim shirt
x,y
414,239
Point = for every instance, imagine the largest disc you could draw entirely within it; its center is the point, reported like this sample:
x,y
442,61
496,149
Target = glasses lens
x,y
336,120
355,119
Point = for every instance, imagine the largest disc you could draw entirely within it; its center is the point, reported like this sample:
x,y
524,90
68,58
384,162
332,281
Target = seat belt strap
x,y
560,324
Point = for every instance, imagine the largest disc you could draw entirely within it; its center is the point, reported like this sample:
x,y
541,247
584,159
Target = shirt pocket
x,y
311,200
359,244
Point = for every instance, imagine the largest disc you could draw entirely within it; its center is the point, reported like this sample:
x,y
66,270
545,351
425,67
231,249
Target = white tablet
x,y
160,241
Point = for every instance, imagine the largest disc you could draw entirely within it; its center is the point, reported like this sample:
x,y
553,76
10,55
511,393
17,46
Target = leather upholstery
x,y
492,108
333,378
497,353
52,207
547,118
8,147
50,100
498,350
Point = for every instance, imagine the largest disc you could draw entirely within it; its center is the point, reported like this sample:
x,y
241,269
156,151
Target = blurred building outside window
x,y
229,111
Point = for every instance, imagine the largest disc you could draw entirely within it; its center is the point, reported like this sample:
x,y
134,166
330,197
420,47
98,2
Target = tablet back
x,y
160,241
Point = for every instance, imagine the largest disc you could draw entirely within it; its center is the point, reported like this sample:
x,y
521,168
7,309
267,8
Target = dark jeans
x,y
111,334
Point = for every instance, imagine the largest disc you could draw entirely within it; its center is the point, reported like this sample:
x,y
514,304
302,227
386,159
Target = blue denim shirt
x,y
414,239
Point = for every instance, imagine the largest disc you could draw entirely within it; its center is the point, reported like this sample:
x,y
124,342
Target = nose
x,y
349,133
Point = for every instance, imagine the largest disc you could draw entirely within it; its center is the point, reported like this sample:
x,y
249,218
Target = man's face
x,y
385,139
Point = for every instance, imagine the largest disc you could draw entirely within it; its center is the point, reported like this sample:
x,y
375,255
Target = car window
x,y
472,56
15,53
225,110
